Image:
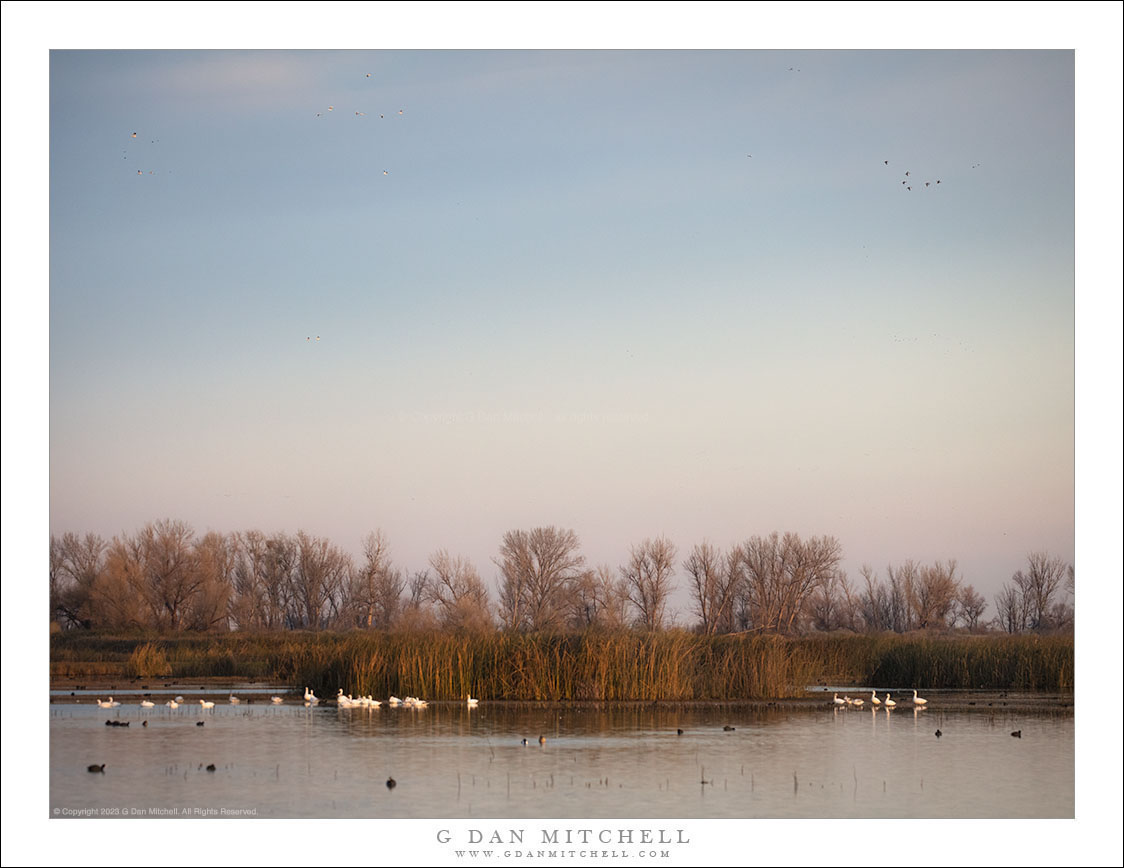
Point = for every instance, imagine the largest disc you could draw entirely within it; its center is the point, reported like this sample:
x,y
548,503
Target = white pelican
x,y
206,703
146,704
472,703
889,702
836,700
917,700
108,703
874,700
276,700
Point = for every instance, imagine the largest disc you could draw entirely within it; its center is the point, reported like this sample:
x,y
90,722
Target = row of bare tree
x,y
164,577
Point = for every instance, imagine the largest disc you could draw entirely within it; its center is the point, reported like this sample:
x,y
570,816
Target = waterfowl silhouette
x,y
1018,733
391,783
728,728
96,768
937,733
211,767
201,723
678,732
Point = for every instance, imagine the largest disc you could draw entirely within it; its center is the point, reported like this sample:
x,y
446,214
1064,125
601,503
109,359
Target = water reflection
x,y
449,760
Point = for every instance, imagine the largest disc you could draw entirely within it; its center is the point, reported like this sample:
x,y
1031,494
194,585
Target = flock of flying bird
x,y
319,114
908,181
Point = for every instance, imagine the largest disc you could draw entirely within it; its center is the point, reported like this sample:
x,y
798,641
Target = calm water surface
x,y
597,762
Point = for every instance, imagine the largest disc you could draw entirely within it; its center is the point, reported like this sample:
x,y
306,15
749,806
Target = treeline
x,y
619,665
166,578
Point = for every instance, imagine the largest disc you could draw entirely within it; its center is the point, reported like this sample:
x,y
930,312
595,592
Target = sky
x,y
701,294
627,292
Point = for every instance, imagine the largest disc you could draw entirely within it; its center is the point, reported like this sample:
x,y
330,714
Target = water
x,y
596,762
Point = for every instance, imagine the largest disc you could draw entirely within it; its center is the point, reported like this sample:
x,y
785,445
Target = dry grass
x,y
610,666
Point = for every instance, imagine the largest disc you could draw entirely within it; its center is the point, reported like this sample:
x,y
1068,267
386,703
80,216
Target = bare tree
x,y
1010,607
161,567
55,577
539,568
714,583
317,582
215,556
1043,577
376,588
934,595
970,607
781,573
903,582
419,588
600,600
874,604
458,592
77,564
117,598
833,605
648,578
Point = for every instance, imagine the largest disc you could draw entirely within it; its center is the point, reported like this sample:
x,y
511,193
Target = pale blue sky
x,y
627,292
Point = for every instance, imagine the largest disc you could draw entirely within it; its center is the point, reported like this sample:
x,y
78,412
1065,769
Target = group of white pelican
x,y
348,701
918,702
310,699
205,704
